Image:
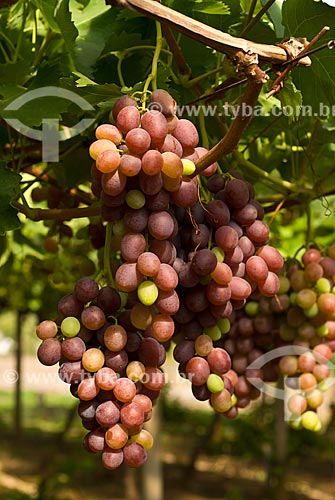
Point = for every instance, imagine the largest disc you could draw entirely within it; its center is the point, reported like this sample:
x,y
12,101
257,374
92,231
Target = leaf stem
x,y
198,79
11,47
119,71
126,52
152,78
107,251
21,34
251,12
257,17
4,53
203,131
39,54
281,184
34,31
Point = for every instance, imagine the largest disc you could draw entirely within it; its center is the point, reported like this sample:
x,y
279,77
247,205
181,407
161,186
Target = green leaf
x,y
14,73
94,94
47,8
65,23
124,40
210,7
291,100
275,15
163,76
305,18
70,173
220,21
93,23
9,186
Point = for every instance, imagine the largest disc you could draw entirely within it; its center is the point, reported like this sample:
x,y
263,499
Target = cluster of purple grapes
x,y
301,315
115,375
181,265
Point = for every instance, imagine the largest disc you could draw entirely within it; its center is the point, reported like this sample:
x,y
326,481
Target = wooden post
x,y
277,473
152,472
132,488
18,368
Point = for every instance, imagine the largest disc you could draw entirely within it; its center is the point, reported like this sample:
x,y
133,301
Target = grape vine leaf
x,y
47,7
93,93
93,23
9,185
14,73
305,18
275,15
65,23
220,21
291,100
209,7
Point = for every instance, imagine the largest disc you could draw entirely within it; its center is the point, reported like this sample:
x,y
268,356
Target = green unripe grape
x,y
284,285
124,298
219,253
70,326
318,427
221,401
147,292
252,308
310,421
295,423
213,332
224,325
323,285
203,345
311,312
333,289
287,332
322,331
204,280
233,399
135,199
306,298
188,166
323,386
143,438
293,298
120,228
215,383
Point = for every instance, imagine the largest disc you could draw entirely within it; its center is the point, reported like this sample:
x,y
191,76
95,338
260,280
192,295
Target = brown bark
x,y
223,42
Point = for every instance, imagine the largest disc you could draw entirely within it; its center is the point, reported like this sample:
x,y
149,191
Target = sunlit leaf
x,y
65,23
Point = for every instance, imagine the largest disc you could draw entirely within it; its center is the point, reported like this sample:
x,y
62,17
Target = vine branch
x,y
278,83
216,39
38,214
231,139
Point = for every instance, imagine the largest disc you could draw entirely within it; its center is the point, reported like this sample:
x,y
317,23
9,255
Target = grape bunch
x,y
186,252
115,376
302,315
